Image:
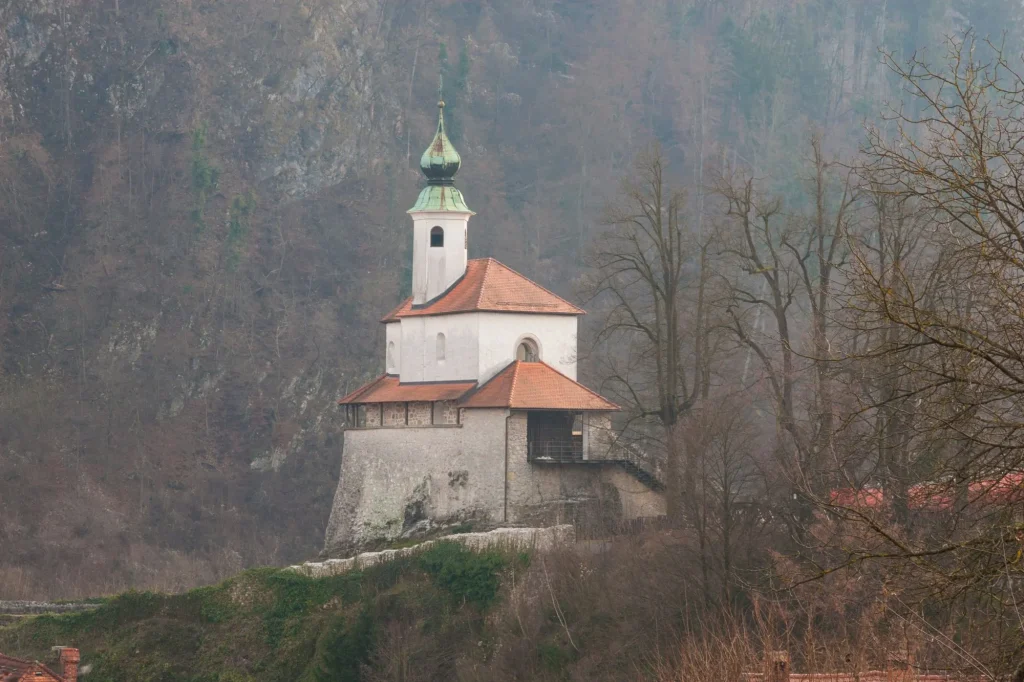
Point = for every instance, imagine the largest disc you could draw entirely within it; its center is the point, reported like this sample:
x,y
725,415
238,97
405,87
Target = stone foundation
x,y
403,482
407,482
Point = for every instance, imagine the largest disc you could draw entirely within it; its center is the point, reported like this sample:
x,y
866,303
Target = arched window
x,y
391,356
440,347
527,351
436,236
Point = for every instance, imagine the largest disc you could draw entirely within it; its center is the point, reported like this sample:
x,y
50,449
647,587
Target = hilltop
x,y
445,613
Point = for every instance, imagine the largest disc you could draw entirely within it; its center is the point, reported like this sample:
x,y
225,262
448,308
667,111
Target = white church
x,y
478,419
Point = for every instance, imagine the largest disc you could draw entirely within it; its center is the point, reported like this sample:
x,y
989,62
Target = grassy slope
x,y
270,624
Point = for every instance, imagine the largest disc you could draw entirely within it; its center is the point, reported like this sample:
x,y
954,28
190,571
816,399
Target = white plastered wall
x,y
479,345
419,347
393,334
434,269
501,333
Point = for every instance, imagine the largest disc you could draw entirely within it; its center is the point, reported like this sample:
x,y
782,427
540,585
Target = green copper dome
x,y
440,162
440,198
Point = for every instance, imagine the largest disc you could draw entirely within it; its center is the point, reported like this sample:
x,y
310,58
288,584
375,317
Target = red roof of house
x,y
388,389
15,669
535,386
489,286
936,496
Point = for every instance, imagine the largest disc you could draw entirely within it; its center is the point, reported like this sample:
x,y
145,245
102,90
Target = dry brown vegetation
x,y
851,400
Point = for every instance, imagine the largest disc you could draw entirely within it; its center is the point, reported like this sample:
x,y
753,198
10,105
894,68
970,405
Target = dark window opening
x,y
554,436
436,236
527,351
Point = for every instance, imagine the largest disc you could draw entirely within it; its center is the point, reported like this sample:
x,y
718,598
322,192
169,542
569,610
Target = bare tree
x,y
719,481
784,266
938,294
650,273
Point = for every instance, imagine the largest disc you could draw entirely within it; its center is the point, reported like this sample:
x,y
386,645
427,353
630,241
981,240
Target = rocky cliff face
x,y
181,298
202,217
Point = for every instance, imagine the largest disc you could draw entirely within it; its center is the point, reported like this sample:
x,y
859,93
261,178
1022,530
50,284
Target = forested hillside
x,y
202,217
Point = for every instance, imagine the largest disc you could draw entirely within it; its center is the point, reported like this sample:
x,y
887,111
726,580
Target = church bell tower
x,y
440,220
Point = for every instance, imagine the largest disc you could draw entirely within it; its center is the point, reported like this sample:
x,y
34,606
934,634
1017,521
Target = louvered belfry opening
x,y
554,436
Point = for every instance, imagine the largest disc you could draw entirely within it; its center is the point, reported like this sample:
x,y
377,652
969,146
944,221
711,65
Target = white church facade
x,y
478,418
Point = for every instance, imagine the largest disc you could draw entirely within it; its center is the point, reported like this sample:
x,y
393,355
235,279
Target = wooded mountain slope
x,y
202,216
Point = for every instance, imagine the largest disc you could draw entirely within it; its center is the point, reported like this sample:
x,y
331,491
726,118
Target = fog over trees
x,y
796,227
863,399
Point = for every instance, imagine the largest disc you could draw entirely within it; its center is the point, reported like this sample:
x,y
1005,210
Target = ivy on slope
x,y
271,624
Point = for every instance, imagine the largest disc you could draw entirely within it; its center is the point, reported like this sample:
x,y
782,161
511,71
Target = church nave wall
x,y
420,348
500,333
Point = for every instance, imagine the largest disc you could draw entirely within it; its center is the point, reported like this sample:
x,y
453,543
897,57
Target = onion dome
x,y
440,162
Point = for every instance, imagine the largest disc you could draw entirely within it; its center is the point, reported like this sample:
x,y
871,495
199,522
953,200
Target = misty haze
x,y
537,340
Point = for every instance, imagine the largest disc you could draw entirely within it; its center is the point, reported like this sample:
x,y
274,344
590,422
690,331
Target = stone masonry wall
x,y
420,414
399,482
394,414
405,481
542,494
373,415
441,413
598,435
446,412
519,539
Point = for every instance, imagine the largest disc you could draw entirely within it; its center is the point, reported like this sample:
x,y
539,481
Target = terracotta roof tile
x,y
535,386
489,286
12,669
1009,488
388,389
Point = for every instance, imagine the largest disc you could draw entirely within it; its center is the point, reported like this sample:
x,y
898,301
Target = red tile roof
x,y
535,386
388,389
520,386
489,286
1008,488
15,669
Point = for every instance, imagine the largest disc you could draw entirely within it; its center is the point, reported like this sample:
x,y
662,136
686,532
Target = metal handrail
x,y
554,451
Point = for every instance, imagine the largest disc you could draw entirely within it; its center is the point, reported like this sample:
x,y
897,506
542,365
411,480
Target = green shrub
x,y
346,648
296,595
468,576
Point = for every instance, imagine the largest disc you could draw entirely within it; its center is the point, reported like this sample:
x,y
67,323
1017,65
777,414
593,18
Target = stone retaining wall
x,y
502,538
23,608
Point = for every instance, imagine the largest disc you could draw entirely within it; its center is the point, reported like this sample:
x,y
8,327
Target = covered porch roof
x,y
536,386
520,386
388,389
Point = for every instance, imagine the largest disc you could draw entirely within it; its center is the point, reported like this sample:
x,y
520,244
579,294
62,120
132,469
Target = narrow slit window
x,y
440,347
436,236
391,357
